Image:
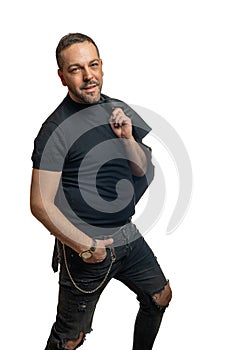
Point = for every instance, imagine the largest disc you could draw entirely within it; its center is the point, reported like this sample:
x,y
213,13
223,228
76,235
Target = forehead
x,y
79,53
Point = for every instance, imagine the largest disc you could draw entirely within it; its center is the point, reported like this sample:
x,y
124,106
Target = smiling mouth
x,y
90,87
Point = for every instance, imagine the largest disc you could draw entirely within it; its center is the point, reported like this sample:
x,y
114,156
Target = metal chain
x,y
113,258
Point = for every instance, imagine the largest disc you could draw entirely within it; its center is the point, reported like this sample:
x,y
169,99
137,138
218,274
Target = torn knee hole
x,y
75,343
163,297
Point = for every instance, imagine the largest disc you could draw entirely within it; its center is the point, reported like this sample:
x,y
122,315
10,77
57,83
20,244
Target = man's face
x,y
82,72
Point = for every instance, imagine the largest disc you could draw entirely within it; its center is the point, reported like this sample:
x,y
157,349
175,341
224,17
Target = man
x,y
89,167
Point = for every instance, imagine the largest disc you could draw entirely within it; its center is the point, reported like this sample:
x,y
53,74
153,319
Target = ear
x,y
101,62
60,74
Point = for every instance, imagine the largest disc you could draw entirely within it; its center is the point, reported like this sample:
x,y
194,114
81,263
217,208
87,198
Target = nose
x,y
87,74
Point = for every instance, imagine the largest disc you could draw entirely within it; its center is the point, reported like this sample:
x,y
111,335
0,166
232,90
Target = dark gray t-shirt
x,y
97,186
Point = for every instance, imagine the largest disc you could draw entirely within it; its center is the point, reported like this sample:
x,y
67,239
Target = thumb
x,y
107,242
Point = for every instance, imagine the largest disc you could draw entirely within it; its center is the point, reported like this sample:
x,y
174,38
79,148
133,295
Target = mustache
x,y
91,82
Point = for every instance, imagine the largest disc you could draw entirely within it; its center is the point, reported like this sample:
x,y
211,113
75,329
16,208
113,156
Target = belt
x,y
124,235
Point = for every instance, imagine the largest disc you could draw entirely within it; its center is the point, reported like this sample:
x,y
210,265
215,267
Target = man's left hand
x,y
121,124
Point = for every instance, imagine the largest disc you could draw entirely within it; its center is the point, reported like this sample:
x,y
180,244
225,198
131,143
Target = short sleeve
x,y
49,148
140,127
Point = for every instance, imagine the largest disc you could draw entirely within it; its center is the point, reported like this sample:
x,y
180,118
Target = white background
x,y
175,58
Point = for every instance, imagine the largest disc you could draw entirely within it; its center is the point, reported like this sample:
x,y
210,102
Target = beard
x,y
83,96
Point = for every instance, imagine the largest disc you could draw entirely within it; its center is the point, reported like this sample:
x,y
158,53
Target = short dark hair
x,y
69,40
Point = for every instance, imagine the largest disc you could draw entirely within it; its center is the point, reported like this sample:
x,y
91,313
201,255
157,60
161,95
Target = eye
x,y
75,69
95,64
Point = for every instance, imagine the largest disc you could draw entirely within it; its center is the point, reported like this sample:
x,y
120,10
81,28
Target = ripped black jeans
x,y
135,266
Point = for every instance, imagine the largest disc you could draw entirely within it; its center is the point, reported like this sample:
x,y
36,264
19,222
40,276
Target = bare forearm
x,y
58,225
135,153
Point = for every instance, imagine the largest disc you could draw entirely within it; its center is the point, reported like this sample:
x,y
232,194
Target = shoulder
x,y
140,126
63,111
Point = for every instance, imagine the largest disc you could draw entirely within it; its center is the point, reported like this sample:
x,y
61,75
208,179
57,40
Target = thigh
x,y
77,301
74,313
141,271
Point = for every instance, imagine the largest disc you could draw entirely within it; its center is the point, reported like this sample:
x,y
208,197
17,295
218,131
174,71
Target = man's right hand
x,y
100,252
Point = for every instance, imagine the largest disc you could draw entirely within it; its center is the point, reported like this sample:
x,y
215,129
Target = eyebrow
x,y
79,65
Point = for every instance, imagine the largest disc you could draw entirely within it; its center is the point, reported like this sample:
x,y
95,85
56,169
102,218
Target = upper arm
x,y
44,187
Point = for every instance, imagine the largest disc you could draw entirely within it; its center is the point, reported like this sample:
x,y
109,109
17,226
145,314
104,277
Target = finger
x,y
107,242
96,259
117,113
113,122
100,258
117,110
115,117
120,120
